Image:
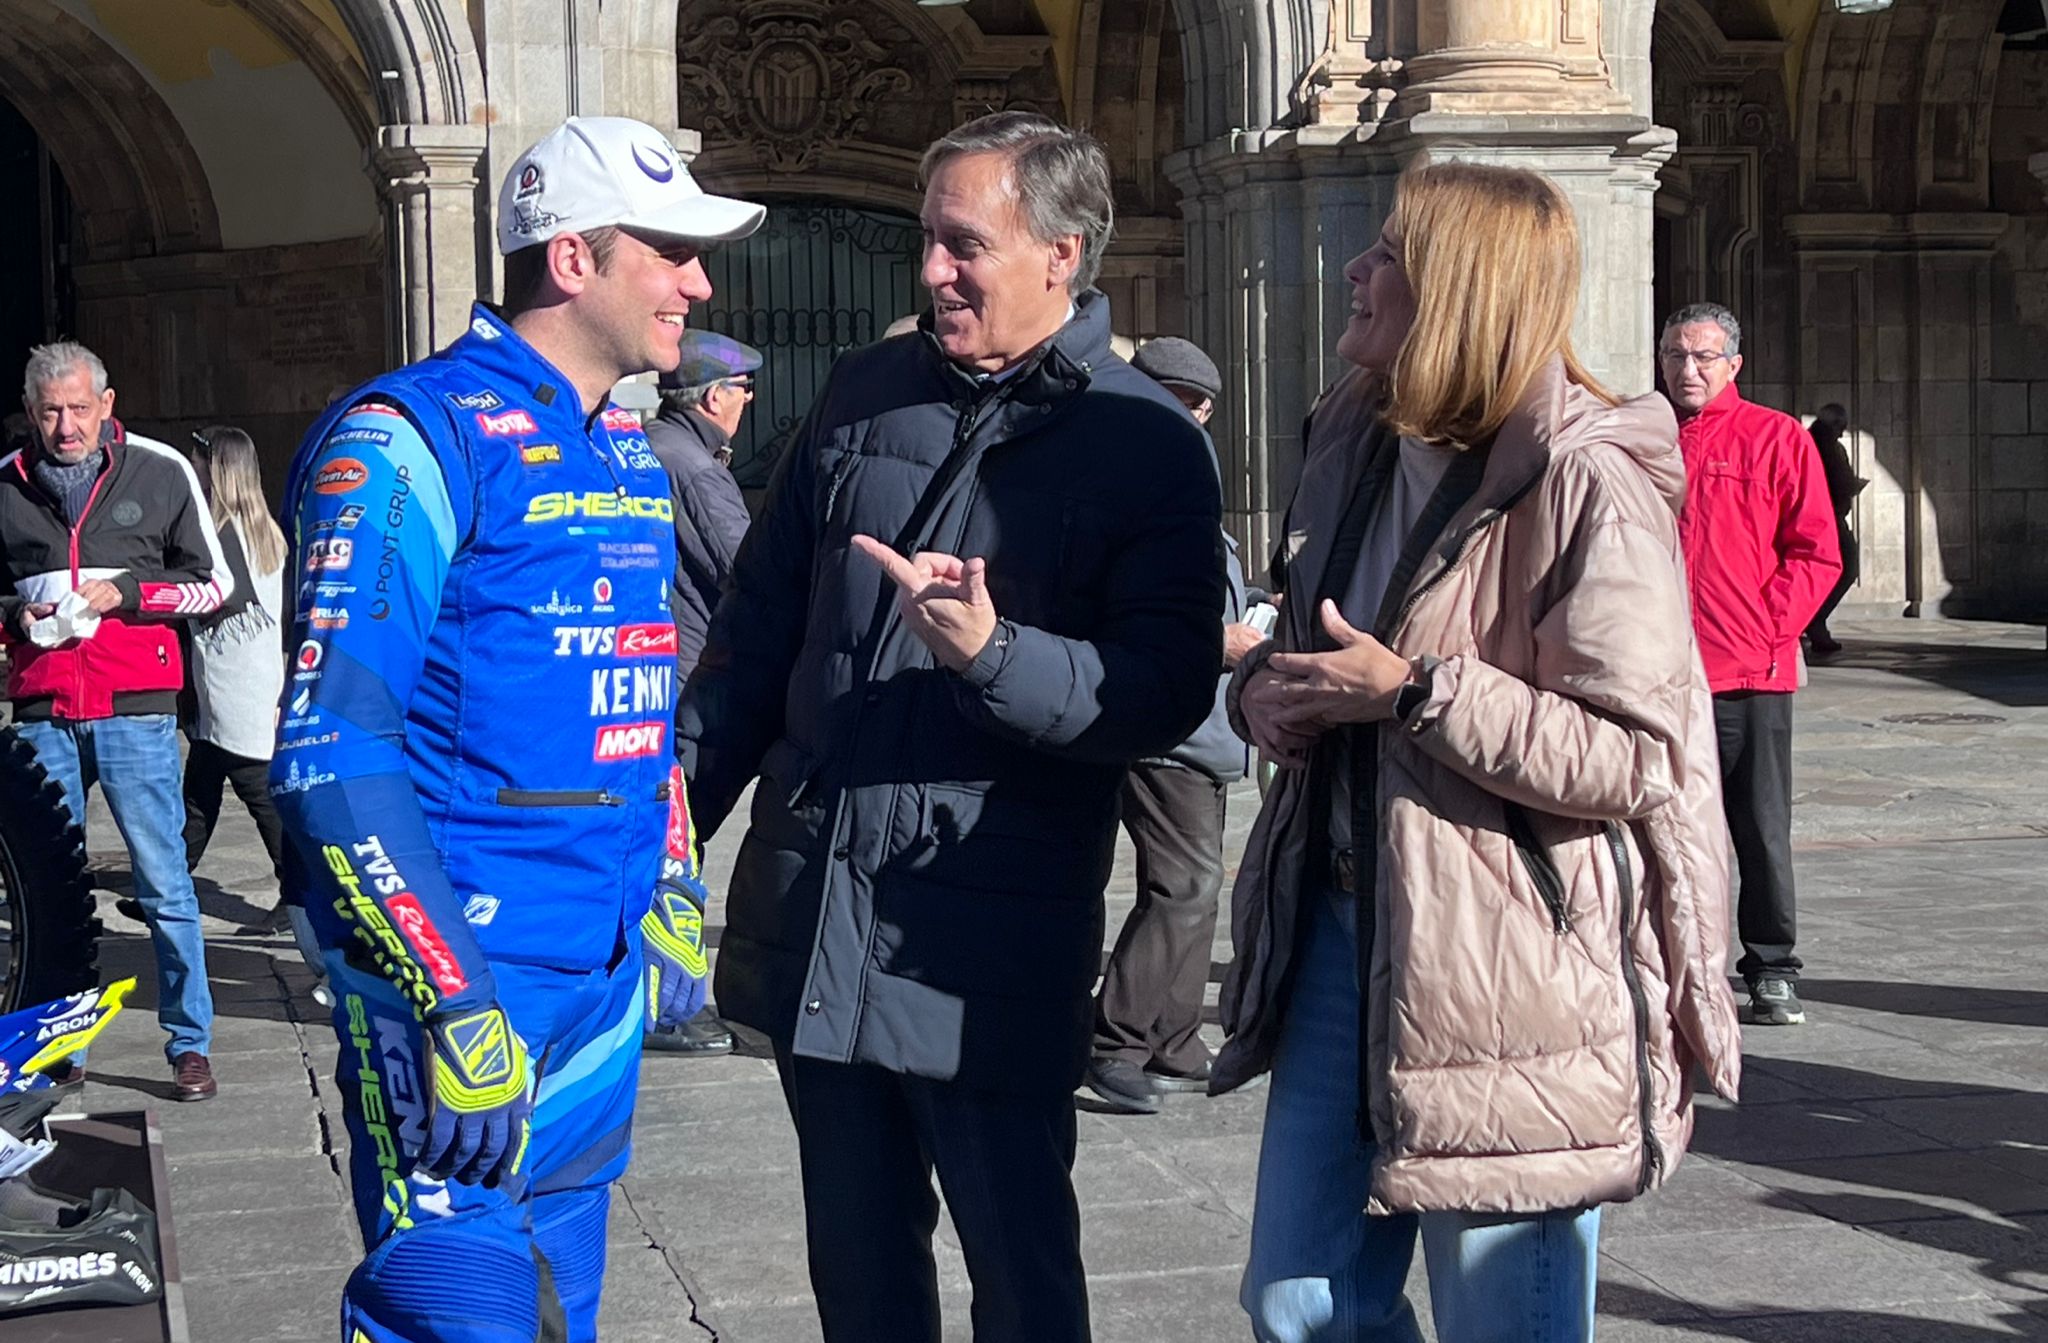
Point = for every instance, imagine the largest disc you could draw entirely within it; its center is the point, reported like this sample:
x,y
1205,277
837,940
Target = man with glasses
x,y
1761,557
703,399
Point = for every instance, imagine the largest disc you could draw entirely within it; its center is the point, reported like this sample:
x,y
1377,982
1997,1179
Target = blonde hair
x,y
1493,257
225,458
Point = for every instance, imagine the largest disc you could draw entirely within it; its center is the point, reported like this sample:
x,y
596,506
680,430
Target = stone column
x,y
1272,216
437,230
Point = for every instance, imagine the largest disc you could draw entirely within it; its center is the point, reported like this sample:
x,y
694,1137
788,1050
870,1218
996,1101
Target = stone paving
x,y
1886,1176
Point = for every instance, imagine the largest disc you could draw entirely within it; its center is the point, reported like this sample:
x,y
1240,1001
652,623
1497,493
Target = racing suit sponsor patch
x,y
427,943
556,505
628,741
330,554
483,400
634,690
387,949
506,424
341,475
540,454
629,641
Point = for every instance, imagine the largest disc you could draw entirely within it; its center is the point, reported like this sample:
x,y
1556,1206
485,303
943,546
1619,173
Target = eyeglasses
x,y
740,384
1706,360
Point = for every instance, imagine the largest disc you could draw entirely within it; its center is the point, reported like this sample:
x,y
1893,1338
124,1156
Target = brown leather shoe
x,y
192,1077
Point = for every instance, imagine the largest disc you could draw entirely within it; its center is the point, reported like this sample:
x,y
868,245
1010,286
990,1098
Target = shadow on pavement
x,y
159,1087
1618,1301
215,899
2016,677
2018,1007
1972,1145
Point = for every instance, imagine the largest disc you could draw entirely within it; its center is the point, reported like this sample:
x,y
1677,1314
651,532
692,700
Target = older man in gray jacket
x,y
1148,1012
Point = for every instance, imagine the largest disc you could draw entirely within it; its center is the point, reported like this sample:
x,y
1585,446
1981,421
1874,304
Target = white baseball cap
x,y
594,172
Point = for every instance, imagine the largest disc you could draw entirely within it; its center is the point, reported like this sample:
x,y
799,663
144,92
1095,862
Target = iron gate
x,y
815,281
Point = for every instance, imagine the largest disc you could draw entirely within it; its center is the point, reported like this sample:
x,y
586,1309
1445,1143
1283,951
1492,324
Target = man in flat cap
x,y
702,401
1148,1012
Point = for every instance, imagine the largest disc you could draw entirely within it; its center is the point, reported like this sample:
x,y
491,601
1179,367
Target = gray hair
x,y
1061,177
680,399
1707,312
47,363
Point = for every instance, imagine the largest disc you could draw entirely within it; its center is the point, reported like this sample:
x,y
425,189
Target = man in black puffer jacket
x,y
988,577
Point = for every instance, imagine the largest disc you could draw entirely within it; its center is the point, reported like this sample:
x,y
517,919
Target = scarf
x,y
69,484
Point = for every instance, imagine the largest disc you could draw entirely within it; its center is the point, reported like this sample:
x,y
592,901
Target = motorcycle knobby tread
x,y
57,933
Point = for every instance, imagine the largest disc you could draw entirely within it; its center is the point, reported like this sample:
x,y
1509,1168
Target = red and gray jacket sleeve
x,y
194,580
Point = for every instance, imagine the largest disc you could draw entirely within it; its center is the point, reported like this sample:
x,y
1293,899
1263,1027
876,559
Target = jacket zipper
x,y
543,797
1542,871
78,663
839,475
1450,566
1653,1154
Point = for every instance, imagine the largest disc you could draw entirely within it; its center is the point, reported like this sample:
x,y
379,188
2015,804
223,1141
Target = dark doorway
x,y
34,274
818,279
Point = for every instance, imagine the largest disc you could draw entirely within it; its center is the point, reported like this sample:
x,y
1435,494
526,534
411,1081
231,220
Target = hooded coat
x,y
1542,854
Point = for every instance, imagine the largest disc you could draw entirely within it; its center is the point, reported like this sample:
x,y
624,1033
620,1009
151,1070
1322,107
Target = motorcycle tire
x,y
50,938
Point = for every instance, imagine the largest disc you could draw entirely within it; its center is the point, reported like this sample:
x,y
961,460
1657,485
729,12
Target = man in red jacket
x,y
106,544
1761,554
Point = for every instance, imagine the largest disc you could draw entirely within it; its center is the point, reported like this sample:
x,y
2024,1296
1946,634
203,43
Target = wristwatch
x,y
1414,692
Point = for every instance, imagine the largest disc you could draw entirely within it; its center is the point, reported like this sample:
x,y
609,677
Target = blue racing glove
x,y
672,929
480,1100
673,932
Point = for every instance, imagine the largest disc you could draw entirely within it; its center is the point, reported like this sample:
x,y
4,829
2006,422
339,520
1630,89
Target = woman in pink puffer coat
x,y
1481,921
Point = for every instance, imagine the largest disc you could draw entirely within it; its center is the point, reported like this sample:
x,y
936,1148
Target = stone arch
x,y
334,61
137,183
1727,181
1246,61
429,52
1895,108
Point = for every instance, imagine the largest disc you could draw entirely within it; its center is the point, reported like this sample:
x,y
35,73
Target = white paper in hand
x,y
74,618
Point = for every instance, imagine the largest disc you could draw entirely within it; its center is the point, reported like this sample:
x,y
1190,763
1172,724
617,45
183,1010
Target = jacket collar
x,y
1060,369
697,426
1729,401
494,348
21,453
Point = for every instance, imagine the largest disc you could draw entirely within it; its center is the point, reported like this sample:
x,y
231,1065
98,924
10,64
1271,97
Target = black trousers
x,y
207,768
869,1141
1850,567
1755,729
1149,1009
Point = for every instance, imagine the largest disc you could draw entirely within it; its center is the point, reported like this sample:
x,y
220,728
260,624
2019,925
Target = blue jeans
x,y
135,759
1321,1269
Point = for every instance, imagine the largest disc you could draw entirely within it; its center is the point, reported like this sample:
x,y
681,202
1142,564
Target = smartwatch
x,y
1414,692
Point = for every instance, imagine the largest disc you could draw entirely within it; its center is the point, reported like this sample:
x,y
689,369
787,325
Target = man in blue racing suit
x,y
475,761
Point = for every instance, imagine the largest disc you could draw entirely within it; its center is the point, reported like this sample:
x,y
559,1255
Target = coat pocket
x,y
989,837
1542,868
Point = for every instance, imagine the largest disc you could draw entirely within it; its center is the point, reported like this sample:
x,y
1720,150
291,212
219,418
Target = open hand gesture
x,y
944,600
1296,697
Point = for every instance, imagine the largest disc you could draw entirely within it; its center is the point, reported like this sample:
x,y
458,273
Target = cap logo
x,y
661,170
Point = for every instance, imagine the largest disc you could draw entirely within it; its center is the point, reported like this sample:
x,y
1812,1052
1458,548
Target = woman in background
x,y
237,662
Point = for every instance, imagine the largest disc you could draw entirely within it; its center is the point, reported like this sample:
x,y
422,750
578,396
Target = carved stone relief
x,y
788,77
